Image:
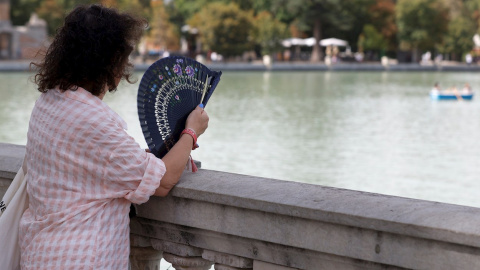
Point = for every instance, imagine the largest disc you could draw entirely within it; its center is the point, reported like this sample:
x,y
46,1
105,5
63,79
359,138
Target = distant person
x,y
84,170
214,57
452,89
359,56
468,59
467,89
426,58
287,55
436,87
438,59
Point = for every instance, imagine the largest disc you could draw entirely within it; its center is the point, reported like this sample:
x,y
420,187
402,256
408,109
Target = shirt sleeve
x,y
130,171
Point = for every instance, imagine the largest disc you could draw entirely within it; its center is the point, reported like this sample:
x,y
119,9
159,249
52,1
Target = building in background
x,y
20,42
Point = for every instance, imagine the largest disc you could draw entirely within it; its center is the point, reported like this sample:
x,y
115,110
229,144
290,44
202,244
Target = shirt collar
x,y
86,97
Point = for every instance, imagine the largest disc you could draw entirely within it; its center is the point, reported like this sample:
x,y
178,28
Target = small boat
x,y
450,95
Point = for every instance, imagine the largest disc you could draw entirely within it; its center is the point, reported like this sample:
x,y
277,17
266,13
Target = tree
x,y
421,24
21,10
474,7
138,7
359,13
223,28
312,15
458,39
317,17
53,12
181,11
371,39
268,32
163,33
461,29
382,17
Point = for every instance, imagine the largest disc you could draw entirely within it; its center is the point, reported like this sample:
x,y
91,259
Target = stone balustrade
x,y
232,221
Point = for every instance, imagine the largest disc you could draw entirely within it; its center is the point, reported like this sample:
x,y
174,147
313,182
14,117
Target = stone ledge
x,y
248,248
416,218
295,225
367,246
11,158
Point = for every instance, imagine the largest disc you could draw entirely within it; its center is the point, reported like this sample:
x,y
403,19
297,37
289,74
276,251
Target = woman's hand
x,y
197,120
177,157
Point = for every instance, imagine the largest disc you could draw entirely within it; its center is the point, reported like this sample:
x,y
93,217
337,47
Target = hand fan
x,y
170,89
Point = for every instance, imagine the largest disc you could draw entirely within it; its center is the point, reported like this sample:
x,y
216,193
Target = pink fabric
x,y
84,170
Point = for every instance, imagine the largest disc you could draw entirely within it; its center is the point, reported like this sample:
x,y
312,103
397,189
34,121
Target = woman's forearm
x,y
175,161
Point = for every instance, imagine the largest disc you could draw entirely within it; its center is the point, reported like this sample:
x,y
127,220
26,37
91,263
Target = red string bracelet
x,y
192,133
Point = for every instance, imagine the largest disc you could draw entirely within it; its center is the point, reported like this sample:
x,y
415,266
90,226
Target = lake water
x,y
371,131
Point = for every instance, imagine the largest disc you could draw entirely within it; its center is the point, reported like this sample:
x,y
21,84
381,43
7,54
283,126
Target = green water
x,y
371,131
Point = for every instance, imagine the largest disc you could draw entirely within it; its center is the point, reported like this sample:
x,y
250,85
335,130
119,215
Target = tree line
x,y
231,27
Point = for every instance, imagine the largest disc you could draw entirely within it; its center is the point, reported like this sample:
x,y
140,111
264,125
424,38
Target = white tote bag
x,y
13,204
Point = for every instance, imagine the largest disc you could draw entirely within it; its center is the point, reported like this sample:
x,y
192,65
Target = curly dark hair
x,y
90,50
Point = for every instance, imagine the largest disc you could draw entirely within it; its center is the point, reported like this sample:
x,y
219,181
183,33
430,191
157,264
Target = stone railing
x,y
235,221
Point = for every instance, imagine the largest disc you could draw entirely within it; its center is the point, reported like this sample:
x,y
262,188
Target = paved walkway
x,y
288,66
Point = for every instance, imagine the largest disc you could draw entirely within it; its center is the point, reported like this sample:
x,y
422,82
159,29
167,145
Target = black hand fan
x,y
170,89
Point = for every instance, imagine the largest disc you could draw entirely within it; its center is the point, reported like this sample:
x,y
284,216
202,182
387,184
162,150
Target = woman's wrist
x,y
193,134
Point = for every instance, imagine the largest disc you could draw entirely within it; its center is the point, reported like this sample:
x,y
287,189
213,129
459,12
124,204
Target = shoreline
x,y
24,66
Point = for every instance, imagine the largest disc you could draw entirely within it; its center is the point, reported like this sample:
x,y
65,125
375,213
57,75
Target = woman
x,y
84,171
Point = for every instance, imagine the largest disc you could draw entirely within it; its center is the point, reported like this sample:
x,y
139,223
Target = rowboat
x,y
450,95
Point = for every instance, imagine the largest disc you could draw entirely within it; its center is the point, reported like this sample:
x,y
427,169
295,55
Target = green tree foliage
x,y
421,23
382,17
21,10
474,7
138,7
360,14
458,39
313,15
316,17
181,11
268,32
224,28
371,39
163,33
461,28
185,9
418,25
53,12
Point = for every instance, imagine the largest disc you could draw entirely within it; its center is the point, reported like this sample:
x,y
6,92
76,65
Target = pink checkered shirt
x,y
84,170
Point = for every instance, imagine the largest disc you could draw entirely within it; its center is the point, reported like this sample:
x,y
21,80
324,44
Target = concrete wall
x,y
243,222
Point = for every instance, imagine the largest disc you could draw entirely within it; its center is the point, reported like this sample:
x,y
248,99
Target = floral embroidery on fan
x,y
175,100
160,77
177,69
153,88
189,71
179,60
